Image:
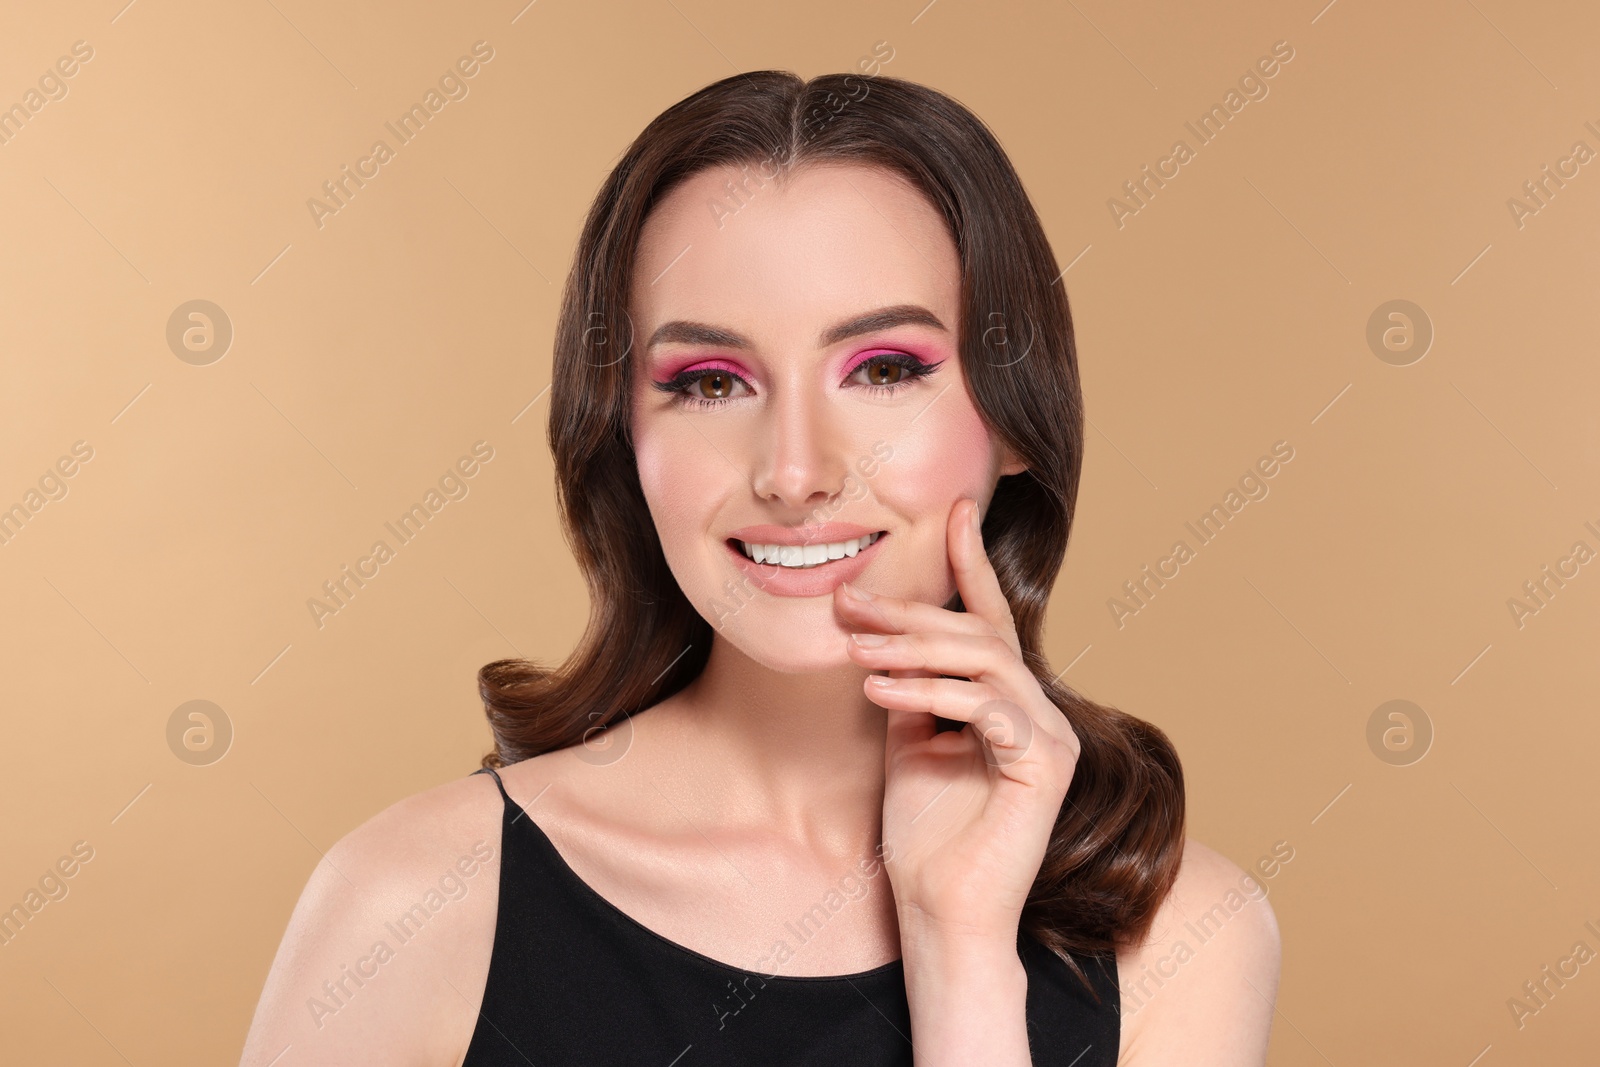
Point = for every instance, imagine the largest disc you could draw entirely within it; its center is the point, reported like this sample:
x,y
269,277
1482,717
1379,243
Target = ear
x,y
1009,463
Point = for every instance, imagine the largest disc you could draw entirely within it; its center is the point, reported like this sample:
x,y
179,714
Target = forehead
x,y
772,261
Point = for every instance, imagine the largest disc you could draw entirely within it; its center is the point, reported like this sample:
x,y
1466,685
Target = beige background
x,y
368,354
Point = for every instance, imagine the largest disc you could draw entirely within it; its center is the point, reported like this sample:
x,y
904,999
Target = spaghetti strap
x,y
491,771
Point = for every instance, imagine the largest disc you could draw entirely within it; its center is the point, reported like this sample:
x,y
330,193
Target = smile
x,y
804,557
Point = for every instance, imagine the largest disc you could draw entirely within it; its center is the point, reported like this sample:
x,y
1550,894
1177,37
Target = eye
x,y
703,388
712,385
883,372
886,371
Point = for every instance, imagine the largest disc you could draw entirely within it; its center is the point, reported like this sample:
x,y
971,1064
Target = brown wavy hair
x,y
1118,839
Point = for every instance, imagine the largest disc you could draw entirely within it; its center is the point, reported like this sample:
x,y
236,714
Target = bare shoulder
x,y
386,953
1200,989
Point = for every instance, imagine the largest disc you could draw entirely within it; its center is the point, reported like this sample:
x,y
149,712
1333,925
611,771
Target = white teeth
x,y
801,557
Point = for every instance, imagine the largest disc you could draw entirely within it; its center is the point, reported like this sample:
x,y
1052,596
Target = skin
x,y
784,769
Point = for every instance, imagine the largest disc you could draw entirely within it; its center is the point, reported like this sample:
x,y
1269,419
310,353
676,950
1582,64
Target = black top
x,y
573,979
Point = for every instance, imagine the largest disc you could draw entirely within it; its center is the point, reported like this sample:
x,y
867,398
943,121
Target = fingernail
x,y
880,681
977,520
855,593
869,640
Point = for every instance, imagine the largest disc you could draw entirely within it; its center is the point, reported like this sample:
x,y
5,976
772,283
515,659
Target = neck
x,y
799,752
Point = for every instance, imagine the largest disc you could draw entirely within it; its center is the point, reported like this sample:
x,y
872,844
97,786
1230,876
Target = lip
x,y
820,580
825,533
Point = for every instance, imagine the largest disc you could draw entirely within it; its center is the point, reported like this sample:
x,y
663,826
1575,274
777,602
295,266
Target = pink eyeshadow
x,y
673,369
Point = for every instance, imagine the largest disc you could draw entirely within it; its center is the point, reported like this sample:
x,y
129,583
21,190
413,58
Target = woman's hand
x,y
966,814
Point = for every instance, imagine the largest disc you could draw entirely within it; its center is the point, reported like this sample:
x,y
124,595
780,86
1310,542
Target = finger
x,y
948,698
906,726
1009,733
976,580
897,615
981,657
985,659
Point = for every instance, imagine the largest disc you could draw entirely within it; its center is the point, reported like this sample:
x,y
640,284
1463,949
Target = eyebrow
x,y
681,331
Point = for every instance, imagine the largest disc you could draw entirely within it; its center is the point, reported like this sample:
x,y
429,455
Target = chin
x,y
791,639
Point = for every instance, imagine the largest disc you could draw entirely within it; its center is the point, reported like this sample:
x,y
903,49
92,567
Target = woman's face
x,y
811,335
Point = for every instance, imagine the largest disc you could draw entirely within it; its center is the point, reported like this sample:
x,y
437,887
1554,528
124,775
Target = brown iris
x,y
721,384
892,373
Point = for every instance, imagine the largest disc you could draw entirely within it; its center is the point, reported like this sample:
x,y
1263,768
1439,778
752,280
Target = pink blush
x,y
942,457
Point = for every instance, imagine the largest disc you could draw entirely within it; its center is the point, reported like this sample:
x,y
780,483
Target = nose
x,y
800,461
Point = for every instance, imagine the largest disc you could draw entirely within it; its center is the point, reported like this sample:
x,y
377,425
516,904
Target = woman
x,y
807,791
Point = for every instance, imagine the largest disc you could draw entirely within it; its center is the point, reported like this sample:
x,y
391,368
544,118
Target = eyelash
x,y
913,368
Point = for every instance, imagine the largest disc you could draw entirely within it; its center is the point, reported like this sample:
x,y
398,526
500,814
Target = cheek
x,y
663,474
937,461
685,485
